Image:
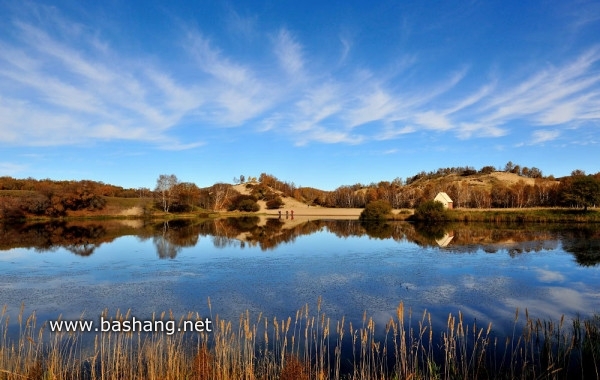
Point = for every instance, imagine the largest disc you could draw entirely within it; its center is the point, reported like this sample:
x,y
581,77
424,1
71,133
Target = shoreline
x,y
523,215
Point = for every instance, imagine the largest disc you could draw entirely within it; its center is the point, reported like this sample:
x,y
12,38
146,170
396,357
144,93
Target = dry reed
x,y
302,348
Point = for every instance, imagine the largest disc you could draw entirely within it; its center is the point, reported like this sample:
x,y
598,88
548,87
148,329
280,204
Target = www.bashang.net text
x,y
169,327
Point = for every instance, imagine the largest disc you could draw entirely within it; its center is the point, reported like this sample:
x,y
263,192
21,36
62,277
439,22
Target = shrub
x,y
376,210
431,212
487,170
261,191
244,203
274,203
248,205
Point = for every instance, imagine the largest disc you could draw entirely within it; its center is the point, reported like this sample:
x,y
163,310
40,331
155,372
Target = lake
x,y
275,267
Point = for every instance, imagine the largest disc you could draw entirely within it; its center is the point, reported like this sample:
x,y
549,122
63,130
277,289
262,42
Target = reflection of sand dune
x,y
444,241
133,223
133,211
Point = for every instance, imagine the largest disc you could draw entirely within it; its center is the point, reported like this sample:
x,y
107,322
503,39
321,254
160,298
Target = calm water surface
x,y
487,272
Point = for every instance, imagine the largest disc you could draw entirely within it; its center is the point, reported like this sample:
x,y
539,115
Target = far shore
x,y
297,212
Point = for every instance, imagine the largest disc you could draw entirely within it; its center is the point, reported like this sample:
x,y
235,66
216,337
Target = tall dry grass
x,y
300,348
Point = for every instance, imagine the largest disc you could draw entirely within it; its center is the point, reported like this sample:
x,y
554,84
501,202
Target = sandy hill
x,y
479,180
435,182
301,210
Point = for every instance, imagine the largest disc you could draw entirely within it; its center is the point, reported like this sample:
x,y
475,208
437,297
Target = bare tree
x,y
220,193
165,186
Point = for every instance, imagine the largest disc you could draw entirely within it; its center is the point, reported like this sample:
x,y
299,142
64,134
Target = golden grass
x,y
525,215
304,348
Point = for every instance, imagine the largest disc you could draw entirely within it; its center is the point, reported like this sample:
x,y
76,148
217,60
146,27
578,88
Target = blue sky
x,y
319,93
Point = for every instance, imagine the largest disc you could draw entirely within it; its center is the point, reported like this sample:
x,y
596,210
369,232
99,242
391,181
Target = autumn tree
x,y
220,195
186,196
487,170
535,173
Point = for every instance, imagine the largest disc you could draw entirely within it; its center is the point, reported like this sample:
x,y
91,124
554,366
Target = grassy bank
x,y
533,215
309,346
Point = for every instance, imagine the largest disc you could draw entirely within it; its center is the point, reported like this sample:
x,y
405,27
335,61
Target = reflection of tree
x,y
182,232
85,249
173,236
80,239
378,229
432,232
584,244
165,248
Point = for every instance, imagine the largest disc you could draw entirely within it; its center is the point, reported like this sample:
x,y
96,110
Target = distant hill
x,y
479,179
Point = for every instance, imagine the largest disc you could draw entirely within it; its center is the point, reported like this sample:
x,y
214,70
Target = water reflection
x,y
584,244
169,237
175,235
81,239
446,239
276,266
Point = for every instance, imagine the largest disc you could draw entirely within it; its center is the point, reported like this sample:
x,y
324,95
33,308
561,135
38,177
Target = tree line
x,y
21,197
576,190
54,198
468,191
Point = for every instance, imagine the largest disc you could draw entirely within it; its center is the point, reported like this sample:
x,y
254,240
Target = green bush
x,y
431,212
376,210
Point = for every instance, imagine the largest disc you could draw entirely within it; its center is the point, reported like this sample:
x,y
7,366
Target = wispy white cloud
x,y
390,132
541,136
71,86
433,120
537,98
72,97
469,130
377,105
323,135
180,146
346,47
289,53
242,26
234,92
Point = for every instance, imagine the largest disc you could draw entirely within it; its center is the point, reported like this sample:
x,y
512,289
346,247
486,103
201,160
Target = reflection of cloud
x,y
440,294
12,254
557,302
333,279
549,276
